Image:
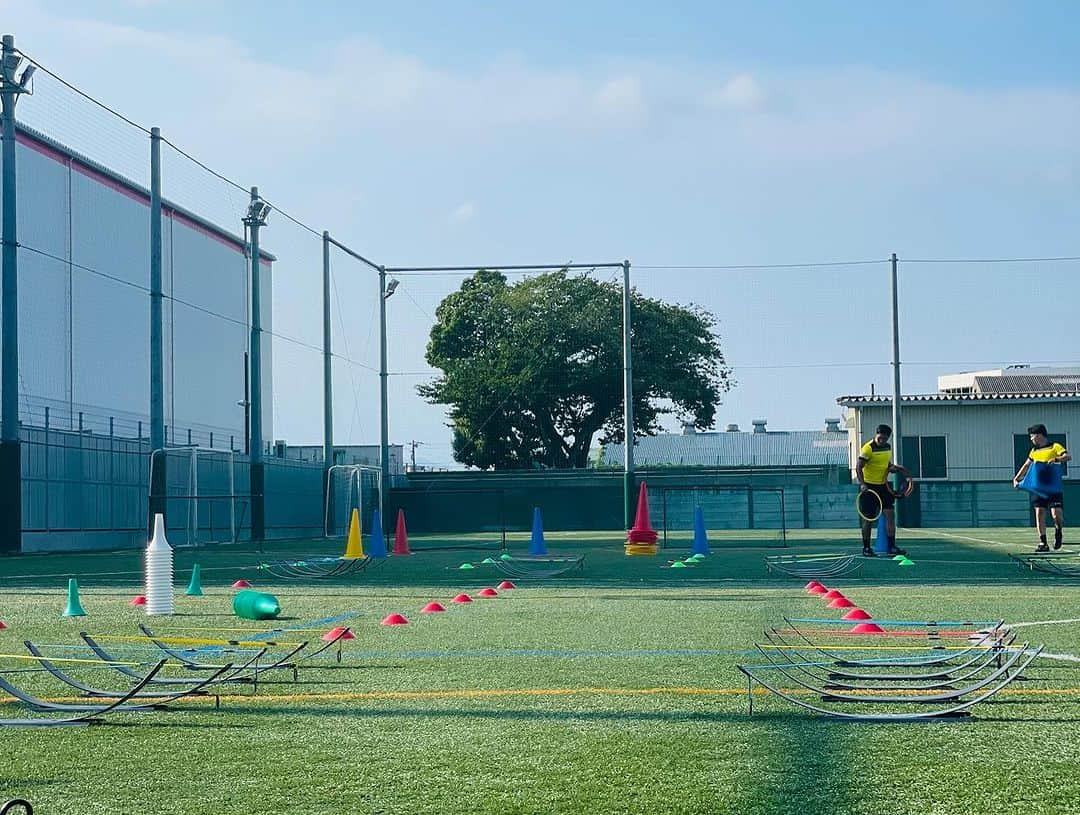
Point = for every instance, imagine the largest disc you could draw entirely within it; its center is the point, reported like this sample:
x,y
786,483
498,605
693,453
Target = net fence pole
x,y
898,436
10,452
384,426
157,385
628,404
256,218
328,388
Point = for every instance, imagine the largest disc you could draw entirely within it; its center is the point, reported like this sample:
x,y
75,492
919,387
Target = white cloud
x,y
621,97
463,213
742,91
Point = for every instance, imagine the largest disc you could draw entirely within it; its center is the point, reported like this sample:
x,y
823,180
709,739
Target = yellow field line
x,y
66,659
495,693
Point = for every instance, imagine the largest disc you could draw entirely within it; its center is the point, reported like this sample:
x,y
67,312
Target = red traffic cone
x,y
394,619
867,628
401,536
818,589
841,602
856,614
462,598
2,625
140,600
487,593
506,584
432,608
340,633
241,584
642,530
831,594
813,584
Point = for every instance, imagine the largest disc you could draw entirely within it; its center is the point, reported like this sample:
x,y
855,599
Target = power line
x,y
83,94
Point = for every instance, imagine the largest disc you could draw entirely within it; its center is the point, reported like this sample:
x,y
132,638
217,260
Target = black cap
x,y
884,430
1037,428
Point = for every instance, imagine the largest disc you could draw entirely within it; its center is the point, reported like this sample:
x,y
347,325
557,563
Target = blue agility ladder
x,y
1042,479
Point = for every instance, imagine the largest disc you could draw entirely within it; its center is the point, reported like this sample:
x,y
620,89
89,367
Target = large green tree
x,y
532,371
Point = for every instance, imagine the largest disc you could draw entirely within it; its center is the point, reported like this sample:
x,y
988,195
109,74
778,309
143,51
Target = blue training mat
x,y
1042,479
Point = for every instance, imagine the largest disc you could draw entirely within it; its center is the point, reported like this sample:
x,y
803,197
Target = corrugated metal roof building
x,y
733,448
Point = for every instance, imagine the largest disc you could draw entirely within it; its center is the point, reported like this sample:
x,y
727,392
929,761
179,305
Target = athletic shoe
x,y
1042,547
897,551
868,552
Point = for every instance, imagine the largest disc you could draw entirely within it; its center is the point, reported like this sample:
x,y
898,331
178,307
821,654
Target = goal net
x,y
349,487
201,501
733,515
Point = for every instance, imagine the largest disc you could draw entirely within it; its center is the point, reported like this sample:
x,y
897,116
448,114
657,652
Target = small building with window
x,y
965,442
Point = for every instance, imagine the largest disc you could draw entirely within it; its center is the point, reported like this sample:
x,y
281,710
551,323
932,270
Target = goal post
x,y
201,502
349,487
735,515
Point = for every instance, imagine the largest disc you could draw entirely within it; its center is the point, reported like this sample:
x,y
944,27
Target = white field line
x,y
1059,657
964,537
1042,622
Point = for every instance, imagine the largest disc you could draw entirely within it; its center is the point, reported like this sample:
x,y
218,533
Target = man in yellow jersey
x,y
1042,449
872,471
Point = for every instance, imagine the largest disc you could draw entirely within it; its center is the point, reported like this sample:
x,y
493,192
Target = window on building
x,y
1022,446
925,456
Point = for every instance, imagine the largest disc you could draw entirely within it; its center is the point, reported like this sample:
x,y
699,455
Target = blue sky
x,y
683,134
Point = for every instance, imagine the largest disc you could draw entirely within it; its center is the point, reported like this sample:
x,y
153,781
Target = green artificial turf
x,y
612,690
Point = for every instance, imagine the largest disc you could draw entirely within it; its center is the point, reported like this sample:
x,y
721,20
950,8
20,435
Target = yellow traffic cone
x,y
355,546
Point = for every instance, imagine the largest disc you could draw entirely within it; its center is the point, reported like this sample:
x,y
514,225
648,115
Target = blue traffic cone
x,y
701,542
537,545
377,546
881,543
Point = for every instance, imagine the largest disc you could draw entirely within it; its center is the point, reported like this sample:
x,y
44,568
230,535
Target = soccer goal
x,y
737,515
349,487
202,505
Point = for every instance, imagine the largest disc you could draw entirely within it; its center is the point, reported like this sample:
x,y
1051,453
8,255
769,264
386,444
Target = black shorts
x,y
886,494
1053,501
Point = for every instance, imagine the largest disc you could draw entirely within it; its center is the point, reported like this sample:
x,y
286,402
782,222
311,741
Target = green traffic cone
x,y
466,566
906,562
194,588
506,556
898,558
74,607
678,564
488,561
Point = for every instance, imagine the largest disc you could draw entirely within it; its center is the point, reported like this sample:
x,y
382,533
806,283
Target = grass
x,y
609,692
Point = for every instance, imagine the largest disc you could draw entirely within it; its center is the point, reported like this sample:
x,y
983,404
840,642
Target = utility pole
x,y
412,452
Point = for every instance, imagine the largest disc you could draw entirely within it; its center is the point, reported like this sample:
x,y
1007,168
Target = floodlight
x,y
391,287
28,72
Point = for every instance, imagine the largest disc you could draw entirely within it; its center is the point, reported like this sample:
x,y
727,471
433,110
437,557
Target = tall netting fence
x,y
504,385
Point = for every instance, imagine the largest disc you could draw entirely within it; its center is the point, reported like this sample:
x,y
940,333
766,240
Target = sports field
x,y
610,690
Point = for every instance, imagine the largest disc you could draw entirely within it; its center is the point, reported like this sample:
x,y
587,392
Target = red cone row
x,y
838,600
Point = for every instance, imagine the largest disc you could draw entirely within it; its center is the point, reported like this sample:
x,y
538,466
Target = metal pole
x,y
628,404
258,474
384,426
898,436
328,392
328,404
157,386
10,454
